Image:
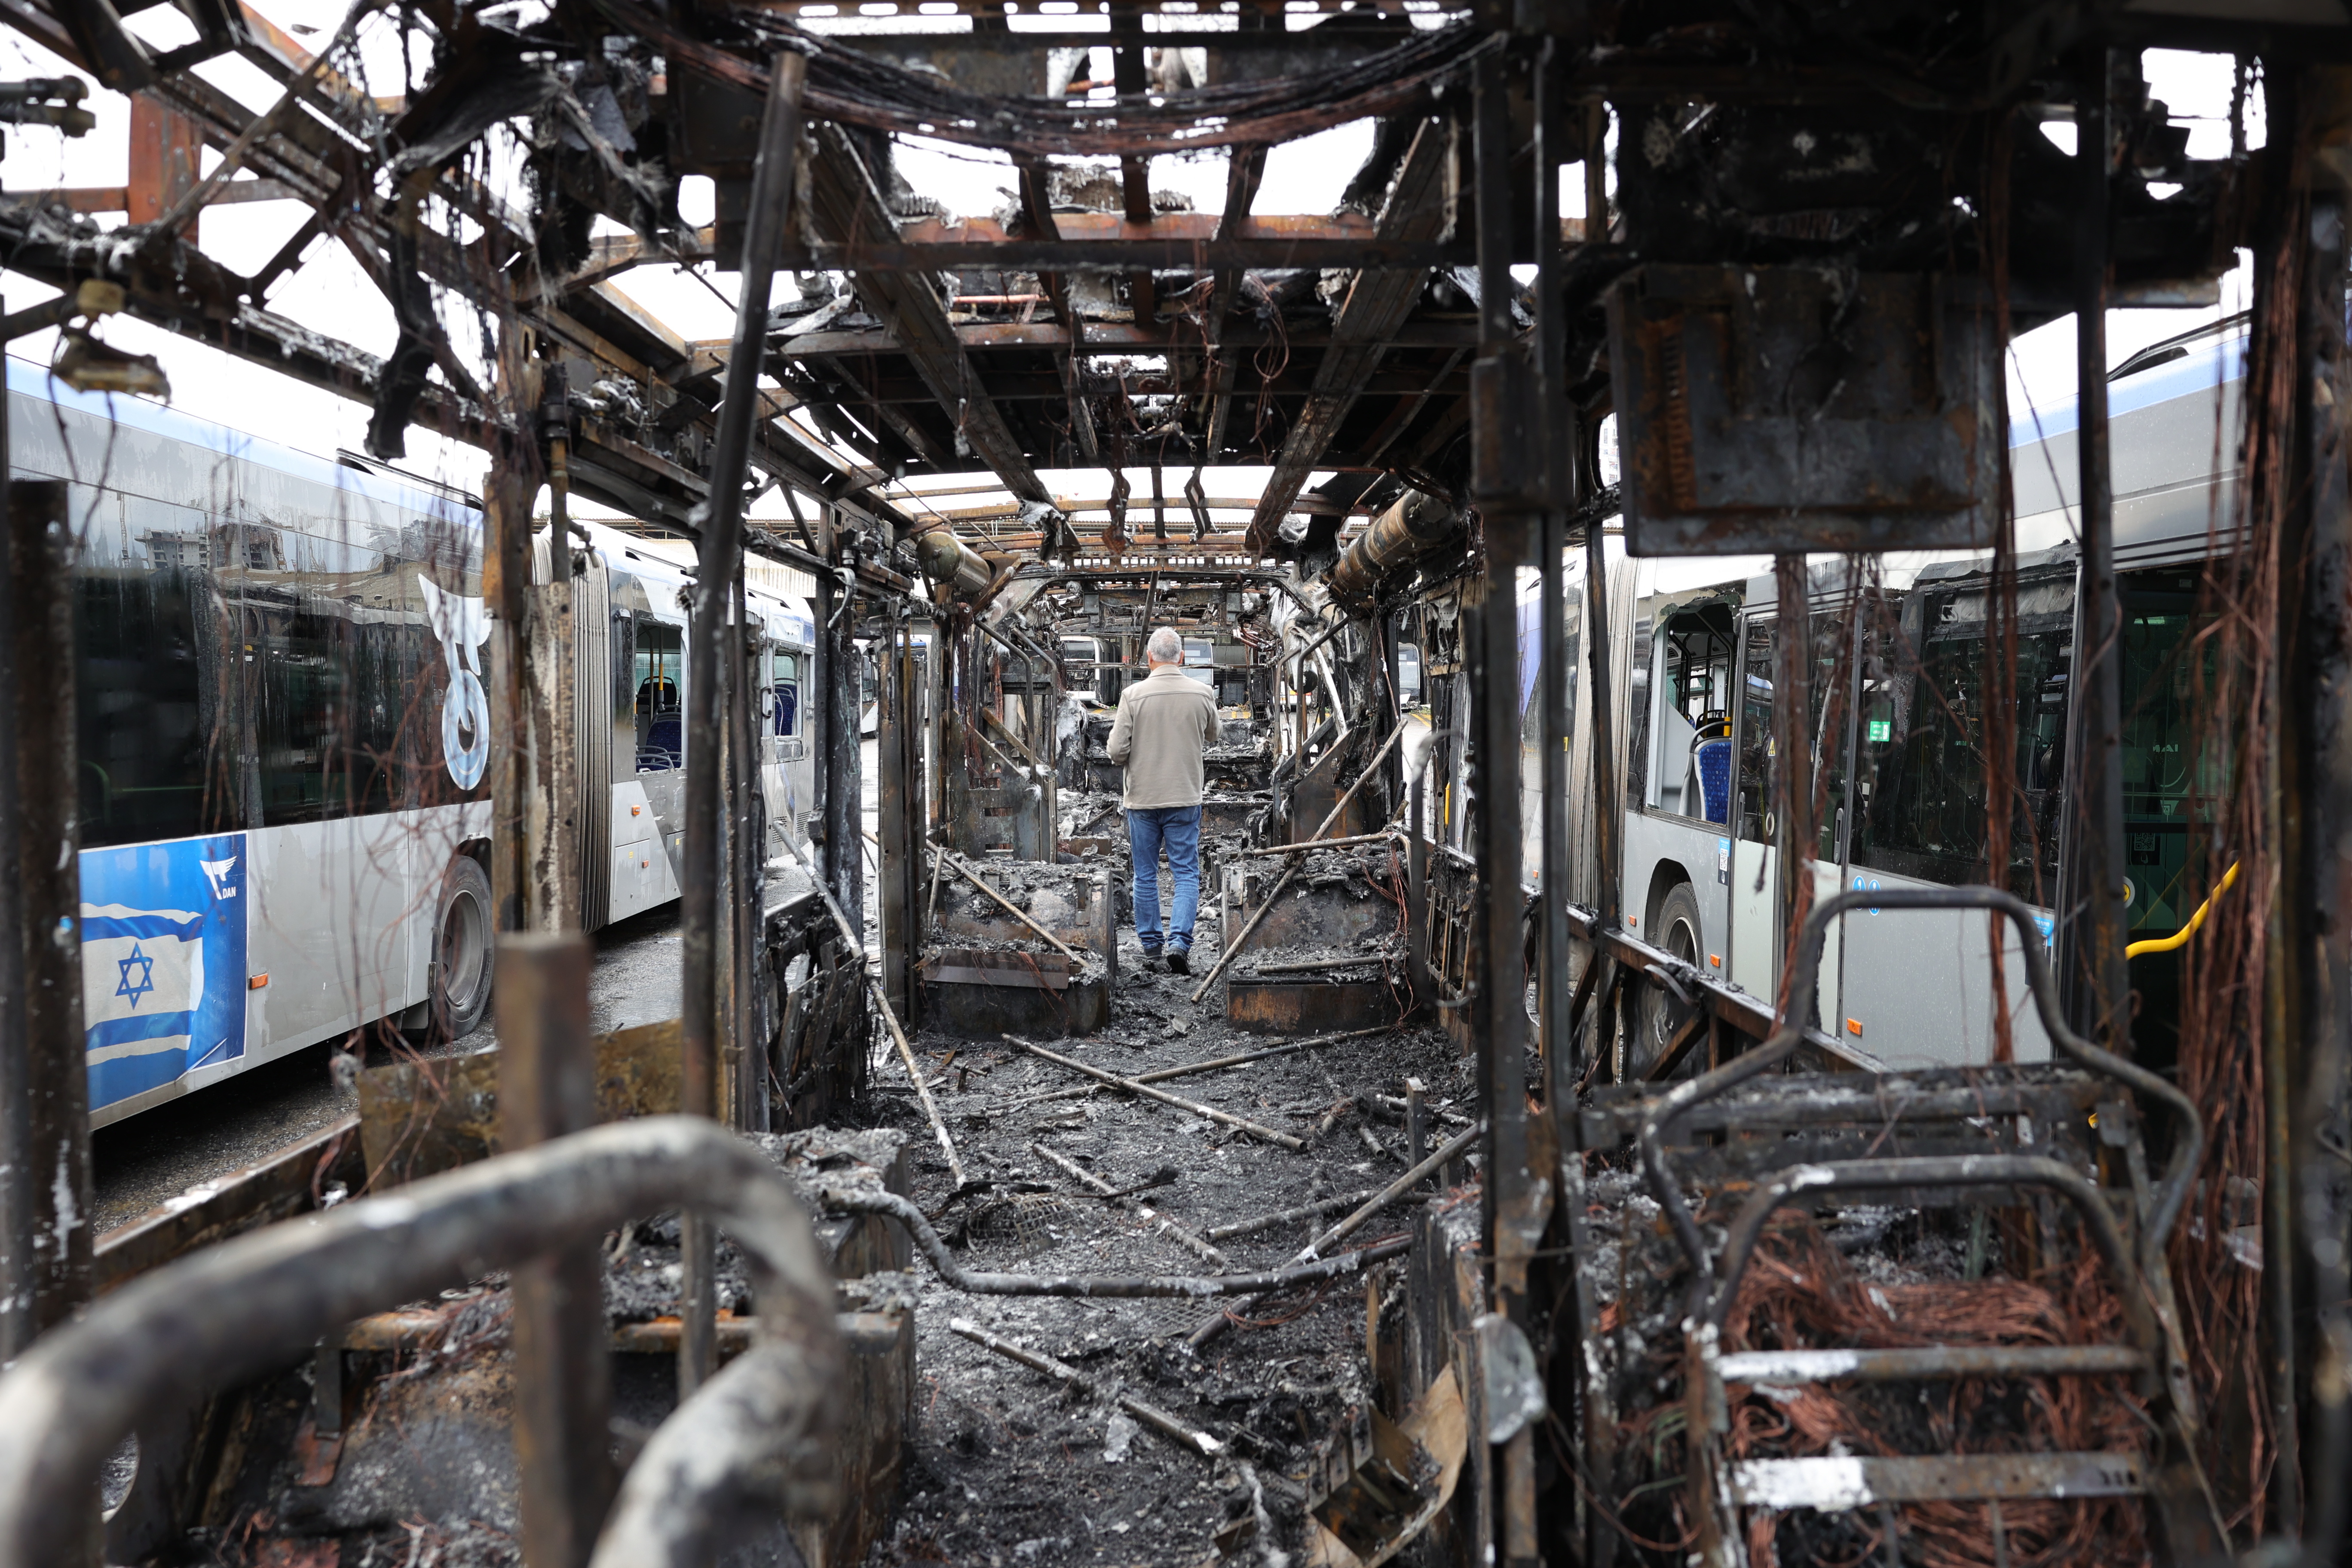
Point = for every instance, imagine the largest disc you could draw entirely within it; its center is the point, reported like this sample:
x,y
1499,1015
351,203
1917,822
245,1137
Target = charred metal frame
x,y
45,1173
918,390
238,1310
1669,1107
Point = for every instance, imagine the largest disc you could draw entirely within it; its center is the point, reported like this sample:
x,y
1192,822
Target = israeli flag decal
x,y
162,962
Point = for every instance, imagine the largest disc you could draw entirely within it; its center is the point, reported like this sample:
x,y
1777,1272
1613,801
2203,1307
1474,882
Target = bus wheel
x,y
463,934
1676,930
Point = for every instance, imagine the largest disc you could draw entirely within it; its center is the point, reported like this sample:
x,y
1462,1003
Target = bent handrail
x,y
229,1314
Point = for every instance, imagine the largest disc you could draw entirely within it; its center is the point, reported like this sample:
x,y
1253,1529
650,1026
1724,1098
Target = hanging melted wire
x,y
856,88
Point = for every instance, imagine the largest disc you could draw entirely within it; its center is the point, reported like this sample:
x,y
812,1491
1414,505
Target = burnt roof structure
x,y
1813,229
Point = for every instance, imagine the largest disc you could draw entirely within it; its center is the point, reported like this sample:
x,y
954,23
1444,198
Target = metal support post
x,y
2306,1067
746,1049
1416,882
1553,419
507,494
894,723
555,421
2102,979
842,778
743,818
1792,773
45,1179
719,560
563,1370
1491,632
1600,702
1515,1207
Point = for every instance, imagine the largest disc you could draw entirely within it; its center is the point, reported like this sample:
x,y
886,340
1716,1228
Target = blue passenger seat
x,y
1713,759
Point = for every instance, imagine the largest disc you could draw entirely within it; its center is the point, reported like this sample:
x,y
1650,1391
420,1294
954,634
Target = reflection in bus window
x,y
1921,753
150,698
332,693
661,740
788,694
1825,694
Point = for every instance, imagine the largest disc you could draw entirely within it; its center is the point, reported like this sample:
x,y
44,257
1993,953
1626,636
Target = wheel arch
x,y
1664,878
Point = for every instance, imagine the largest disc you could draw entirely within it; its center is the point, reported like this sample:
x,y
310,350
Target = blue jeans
x,y
1178,828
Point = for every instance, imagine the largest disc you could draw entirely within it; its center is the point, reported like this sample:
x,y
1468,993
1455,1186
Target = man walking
x,y
1165,721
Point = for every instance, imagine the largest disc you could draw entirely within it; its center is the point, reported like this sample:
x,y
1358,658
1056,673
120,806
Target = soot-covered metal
x,y
1690,1055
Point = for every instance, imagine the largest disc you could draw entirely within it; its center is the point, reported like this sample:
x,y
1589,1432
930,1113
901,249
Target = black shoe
x,y
1150,958
1180,960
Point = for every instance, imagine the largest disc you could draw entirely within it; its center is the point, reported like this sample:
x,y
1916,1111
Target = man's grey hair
x,y
1165,647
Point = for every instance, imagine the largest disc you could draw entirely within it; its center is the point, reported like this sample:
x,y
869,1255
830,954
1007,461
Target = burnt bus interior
x,y
1462,1206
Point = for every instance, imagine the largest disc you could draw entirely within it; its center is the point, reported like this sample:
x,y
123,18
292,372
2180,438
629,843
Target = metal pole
x,y
1792,776
743,902
514,689
1600,702
845,760
1416,852
1513,1223
718,563
555,420
2306,1068
563,1370
44,1180
1551,337
719,560
893,718
2098,891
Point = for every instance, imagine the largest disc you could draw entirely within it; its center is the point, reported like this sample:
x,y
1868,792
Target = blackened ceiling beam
x,y
1376,305
1132,253
1245,172
1103,338
846,206
178,288
1037,212
1134,172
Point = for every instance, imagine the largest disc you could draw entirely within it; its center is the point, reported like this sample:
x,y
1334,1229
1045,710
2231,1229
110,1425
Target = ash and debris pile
x,y
1008,1466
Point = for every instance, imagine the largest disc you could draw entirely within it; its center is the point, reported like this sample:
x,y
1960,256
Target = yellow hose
x,y
2180,937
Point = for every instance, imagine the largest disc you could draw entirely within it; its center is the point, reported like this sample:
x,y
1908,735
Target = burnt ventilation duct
x,y
1415,525
949,562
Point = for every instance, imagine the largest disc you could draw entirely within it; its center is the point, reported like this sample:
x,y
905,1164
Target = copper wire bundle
x,y
1798,1291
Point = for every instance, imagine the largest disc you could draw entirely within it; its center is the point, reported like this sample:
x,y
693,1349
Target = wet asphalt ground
x,y
144,1159
216,1131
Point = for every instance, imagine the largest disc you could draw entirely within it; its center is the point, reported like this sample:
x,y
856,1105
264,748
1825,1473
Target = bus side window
x,y
1755,760
1920,751
1690,773
1637,744
158,739
788,694
661,741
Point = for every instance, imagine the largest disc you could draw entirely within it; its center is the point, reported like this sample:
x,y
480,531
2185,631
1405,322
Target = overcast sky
x,y
329,293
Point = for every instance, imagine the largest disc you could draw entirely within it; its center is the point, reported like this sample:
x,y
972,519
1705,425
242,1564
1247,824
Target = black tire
x,y
464,934
1676,928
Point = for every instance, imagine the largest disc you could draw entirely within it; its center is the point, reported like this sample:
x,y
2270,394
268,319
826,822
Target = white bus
x,y
1904,788
284,733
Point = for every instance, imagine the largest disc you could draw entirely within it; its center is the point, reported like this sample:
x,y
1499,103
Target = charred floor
x,y
1771,978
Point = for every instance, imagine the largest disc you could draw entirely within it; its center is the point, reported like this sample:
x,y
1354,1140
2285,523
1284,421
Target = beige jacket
x,y
1165,721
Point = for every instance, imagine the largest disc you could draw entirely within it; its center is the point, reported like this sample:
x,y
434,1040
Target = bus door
x,y
2175,785
1754,957
1918,984
1759,941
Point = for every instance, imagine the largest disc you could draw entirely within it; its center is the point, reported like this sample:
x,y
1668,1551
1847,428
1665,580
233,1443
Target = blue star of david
x,y
146,968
